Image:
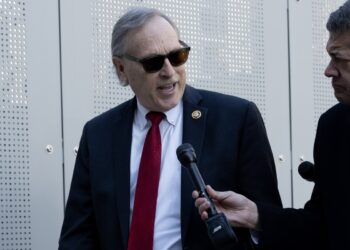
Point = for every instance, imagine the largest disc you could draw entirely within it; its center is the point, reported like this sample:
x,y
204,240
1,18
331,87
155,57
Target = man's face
x,y
161,90
338,48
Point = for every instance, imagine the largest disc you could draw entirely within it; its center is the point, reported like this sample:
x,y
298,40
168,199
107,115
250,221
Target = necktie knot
x,y
155,117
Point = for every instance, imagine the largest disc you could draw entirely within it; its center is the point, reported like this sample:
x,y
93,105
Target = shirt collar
x,y
171,116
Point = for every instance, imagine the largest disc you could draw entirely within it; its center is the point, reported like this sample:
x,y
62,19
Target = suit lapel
x,y
122,135
194,121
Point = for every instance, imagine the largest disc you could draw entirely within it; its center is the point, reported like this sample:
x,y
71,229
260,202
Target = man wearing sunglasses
x,y
111,182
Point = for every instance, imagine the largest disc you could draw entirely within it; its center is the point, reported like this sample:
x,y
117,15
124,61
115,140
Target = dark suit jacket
x,y
233,154
324,222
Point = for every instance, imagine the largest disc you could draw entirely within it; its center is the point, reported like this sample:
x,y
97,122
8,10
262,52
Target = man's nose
x,y
167,69
331,70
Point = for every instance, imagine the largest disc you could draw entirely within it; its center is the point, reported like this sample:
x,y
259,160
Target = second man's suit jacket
x,y
324,222
233,153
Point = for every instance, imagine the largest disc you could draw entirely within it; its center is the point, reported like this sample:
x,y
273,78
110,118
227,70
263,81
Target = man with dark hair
x,y
324,221
128,189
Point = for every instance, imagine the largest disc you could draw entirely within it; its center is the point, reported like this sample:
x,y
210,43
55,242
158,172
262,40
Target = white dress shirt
x,y
167,228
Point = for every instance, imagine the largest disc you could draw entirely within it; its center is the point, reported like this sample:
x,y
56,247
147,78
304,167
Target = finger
x,y
204,216
195,194
199,201
216,194
212,193
203,207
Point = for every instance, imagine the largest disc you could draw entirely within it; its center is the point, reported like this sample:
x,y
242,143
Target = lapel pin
x,y
196,114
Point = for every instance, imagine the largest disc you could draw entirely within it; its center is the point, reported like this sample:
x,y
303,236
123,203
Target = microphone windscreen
x,y
186,155
307,170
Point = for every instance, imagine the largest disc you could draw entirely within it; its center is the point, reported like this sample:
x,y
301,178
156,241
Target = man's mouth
x,y
167,88
338,87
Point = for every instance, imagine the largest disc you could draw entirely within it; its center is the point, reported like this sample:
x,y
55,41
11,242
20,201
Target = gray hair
x,y
134,18
339,20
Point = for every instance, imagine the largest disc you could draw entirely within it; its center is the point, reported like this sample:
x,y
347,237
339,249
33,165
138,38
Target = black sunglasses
x,y
153,64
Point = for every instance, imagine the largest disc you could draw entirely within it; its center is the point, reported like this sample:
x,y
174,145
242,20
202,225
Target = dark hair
x,y
133,19
339,20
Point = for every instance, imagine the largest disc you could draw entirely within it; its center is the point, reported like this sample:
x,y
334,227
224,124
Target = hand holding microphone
x,y
219,231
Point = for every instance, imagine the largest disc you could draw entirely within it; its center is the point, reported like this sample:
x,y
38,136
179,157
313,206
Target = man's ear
x,y
120,69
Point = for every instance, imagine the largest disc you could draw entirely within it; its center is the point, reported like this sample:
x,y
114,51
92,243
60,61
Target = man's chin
x,y
342,99
167,105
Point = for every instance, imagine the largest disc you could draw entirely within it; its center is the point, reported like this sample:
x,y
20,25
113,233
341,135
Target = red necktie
x,y
142,222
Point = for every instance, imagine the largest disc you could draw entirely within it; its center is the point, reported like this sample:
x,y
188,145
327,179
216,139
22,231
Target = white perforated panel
x,y
226,37
15,209
228,47
323,92
107,92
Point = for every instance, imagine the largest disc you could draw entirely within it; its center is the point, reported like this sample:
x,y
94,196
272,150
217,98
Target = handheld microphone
x,y
187,157
307,171
220,232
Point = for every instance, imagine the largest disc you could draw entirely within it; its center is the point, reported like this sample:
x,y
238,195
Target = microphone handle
x,y
200,187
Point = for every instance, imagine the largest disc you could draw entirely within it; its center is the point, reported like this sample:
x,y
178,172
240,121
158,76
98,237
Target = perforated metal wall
x,y
107,92
15,172
323,92
226,39
239,47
